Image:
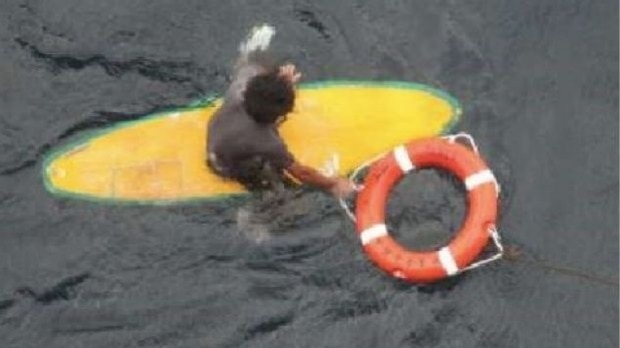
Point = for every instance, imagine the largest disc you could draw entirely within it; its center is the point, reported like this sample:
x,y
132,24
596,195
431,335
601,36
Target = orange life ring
x,y
470,240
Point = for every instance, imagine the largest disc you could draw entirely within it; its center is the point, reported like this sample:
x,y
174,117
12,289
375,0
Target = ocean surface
x,y
538,82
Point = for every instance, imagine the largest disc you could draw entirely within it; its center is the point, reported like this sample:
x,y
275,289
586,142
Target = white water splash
x,y
331,166
258,39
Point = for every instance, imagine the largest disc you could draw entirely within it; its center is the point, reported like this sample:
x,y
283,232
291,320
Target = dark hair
x,y
268,96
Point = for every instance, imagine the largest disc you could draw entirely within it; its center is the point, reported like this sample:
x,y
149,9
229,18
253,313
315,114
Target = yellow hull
x,y
161,158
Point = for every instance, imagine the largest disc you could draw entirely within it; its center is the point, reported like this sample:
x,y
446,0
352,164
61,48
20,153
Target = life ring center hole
x,y
426,208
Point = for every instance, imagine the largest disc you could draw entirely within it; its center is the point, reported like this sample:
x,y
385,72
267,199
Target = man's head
x,y
269,96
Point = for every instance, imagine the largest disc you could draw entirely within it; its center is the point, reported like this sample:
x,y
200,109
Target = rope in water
x,y
513,253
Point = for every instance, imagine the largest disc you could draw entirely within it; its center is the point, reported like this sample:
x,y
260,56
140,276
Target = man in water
x,y
243,141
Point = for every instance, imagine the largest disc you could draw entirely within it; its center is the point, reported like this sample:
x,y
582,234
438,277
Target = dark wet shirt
x,y
234,139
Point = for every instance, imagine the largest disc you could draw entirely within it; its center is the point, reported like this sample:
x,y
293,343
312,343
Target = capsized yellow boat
x,y
161,158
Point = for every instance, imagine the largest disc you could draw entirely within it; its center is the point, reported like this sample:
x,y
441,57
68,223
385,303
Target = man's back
x,y
234,137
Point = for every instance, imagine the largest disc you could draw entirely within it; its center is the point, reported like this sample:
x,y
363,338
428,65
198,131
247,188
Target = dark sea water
x,y
538,81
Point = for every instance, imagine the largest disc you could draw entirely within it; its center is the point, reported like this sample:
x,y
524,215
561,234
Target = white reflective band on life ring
x,y
372,233
447,261
402,158
482,177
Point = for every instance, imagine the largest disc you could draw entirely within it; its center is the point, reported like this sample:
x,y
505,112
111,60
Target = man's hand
x,y
339,186
289,72
342,187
